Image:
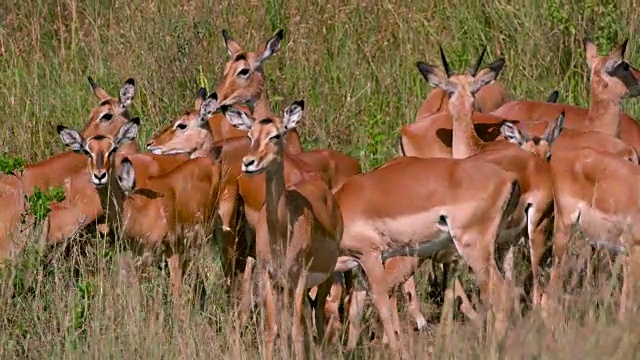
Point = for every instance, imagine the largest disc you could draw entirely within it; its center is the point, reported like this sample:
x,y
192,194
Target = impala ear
x,y
71,138
98,91
512,134
591,51
293,114
554,129
618,53
553,97
127,132
201,95
435,77
127,91
271,46
127,177
486,75
232,46
237,118
208,107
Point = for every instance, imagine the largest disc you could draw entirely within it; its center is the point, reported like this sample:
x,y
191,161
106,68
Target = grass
x,y
354,65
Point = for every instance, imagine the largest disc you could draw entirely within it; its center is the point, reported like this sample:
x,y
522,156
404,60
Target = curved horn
x,y
474,70
445,64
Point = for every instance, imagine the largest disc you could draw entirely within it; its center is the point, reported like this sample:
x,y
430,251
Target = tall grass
x,y
353,64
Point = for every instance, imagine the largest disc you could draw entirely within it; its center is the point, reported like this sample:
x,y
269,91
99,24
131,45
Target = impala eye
x,y
181,126
106,117
243,72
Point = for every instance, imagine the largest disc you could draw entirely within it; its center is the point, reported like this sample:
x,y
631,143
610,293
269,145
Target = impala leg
x,y
247,291
332,309
175,274
473,246
537,245
227,211
561,238
411,295
373,268
631,270
395,317
271,322
466,307
321,303
299,323
356,305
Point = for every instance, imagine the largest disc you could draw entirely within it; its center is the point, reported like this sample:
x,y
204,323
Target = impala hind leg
x,y
561,239
631,269
414,304
374,270
537,247
329,305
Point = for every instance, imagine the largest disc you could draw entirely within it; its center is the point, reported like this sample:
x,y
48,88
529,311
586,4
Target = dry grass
x,y
352,63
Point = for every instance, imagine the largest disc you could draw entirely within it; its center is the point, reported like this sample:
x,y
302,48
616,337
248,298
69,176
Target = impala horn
x,y
445,64
474,70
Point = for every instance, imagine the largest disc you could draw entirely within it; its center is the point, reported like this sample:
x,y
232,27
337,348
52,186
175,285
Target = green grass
x,y
353,64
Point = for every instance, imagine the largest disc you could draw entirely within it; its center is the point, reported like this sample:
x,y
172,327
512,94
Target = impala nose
x,y
100,178
249,165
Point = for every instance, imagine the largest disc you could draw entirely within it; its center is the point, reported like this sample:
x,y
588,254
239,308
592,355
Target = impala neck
x,y
465,141
275,197
205,145
112,200
604,113
262,108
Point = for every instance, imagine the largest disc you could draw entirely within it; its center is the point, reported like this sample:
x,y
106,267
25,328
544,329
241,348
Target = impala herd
x,y
479,176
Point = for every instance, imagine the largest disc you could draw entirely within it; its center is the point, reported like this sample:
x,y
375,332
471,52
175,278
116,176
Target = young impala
x,y
611,78
162,213
66,169
299,227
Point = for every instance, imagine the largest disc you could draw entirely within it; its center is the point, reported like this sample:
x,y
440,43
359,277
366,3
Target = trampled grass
x,y
354,65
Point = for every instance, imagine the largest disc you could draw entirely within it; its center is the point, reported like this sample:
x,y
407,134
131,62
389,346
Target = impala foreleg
x,y
299,333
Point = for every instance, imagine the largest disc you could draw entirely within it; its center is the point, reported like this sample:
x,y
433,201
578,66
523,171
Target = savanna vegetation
x,y
353,63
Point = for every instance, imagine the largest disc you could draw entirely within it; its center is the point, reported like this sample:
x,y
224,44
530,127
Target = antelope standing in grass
x,y
457,204
299,227
81,204
610,76
162,213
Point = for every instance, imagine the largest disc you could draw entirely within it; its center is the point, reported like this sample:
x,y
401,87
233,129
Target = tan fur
x,y
375,224
599,192
153,214
299,227
604,114
68,170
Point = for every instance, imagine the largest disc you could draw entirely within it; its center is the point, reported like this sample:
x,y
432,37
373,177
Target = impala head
x,y
541,146
611,75
189,131
243,80
111,113
267,135
99,149
461,87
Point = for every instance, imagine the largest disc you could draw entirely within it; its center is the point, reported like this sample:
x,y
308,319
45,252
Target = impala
x,y
536,203
454,204
488,99
612,79
243,83
599,192
67,170
158,214
299,227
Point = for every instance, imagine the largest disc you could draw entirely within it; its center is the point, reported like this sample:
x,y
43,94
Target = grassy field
x,y
353,64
